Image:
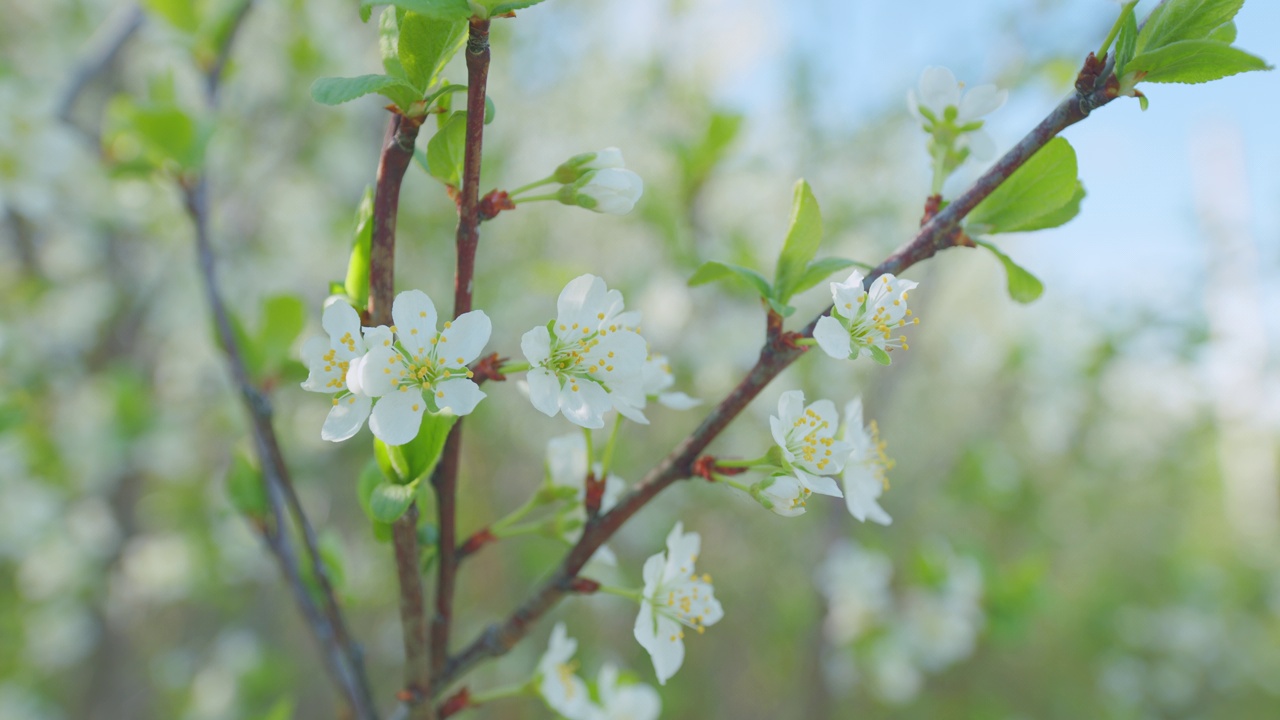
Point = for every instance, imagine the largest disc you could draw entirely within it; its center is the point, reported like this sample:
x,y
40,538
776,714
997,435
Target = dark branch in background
x,y
397,153
341,655
445,478
941,232
106,47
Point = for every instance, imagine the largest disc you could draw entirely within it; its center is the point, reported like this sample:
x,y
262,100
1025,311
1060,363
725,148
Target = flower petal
x,y
544,390
346,418
819,484
415,318
980,101
981,147
380,371
464,338
580,302
938,89
585,403
678,401
340,320
459,396
397,417
660,635
832,337
536,345
862,489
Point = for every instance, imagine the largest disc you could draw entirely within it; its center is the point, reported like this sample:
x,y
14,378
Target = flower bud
x,y
611,190
578,165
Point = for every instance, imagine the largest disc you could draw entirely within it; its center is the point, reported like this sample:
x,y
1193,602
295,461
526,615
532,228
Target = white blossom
x,y
587,362
656,377
635,701
610,157
425,370
558,682
329,362
862,323
612,190
674,596
941,99
864,472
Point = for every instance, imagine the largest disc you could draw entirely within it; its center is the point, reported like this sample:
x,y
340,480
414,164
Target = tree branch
x,y
939,233
445,479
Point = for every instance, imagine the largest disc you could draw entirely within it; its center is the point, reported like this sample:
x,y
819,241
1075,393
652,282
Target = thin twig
x,y
110,40
937,234
342,655
445,479
397,153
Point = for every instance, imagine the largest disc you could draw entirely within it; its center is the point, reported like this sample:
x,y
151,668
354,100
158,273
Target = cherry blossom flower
x,y
558,682
862,323
940,99
611,190
635,701
425,370
329,362
864,472
674,596
586,362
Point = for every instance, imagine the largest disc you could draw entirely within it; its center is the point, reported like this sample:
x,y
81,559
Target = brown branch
x,y
445,478
342,656
939,233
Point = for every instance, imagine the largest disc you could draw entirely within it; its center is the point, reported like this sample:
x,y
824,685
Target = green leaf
x,y
389,501
245,488
699,160
1194,61
819,270
282,710
1224,33
803,237
356,286
370,478
1061,216
337,90
447,149
389,42
781,308
1023,286
498,7
154,135
434,9
283,318
425,45
879,355
181,14
1127,42
416,458
1176,20
713,271
1041,187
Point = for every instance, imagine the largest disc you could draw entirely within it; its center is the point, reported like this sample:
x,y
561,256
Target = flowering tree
x,y
415,373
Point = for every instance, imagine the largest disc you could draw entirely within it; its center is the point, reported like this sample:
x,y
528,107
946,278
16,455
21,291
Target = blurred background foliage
x,y
1085,500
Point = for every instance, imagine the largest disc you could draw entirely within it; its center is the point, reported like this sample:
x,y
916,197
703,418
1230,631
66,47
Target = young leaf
x,y
1061,216
423,451
283,317
337,90
182,14
434,9
1041,187
819,270
446,150
389,501
1224,33
1126,42
425,45
1176,20
498,7
1194,61
1023,286
803,237
246,489
356,286
714,271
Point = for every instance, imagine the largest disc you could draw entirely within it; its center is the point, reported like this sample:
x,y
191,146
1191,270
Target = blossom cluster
x,y
586,362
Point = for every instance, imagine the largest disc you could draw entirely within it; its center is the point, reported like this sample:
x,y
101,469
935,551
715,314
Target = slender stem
x,y
535,184
517,515
445,479
588,442
762,460
606,460
732,483
501,693
532,528
343,658
536,198
937,234
1115,28
515,367
628,593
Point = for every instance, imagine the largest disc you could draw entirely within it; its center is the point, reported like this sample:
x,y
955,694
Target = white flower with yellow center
x,y
424,370
558,682
587,361
864,472
636,701
863,323
329,362
674,597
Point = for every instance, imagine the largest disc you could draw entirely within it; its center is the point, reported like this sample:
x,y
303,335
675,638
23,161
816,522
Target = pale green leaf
x,y
389,501
804,235
1061,216
879,355
1126,42
434,9
425,45
181,14
446,150
1224,33
819,270
1041,187
283,318
715,271
356,286
1194,61
245,488
337,90
1023,286
1177,20
498,7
